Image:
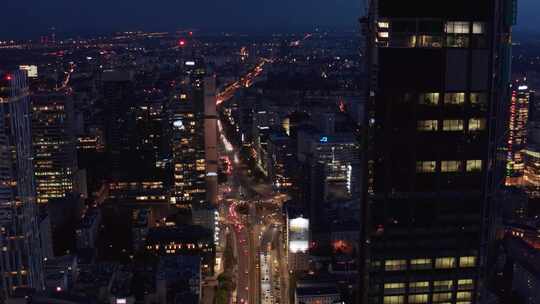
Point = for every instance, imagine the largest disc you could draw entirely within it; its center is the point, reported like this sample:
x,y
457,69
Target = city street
x,y
254,229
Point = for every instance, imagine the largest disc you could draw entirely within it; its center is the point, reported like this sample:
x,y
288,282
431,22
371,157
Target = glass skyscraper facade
x,y
54,145
438,99
20,249
517,133
193,131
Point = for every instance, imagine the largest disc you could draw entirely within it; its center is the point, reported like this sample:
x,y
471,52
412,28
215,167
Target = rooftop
x,y
186,233
317,291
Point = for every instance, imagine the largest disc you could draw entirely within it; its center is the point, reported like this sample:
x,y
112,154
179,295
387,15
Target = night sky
x,y
27,18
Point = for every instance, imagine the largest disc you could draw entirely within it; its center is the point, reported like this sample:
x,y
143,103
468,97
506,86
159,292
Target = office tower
x,y
279,161
517,133
531,154
438,97
53,140
118,95
193,134
20,257
210,139
331,171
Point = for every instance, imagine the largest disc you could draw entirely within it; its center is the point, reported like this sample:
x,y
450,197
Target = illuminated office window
x,y
478,28
442,297
428,125
394,288
478,98
474,165
425,166
394,285
447,262
418,298
450,166
478,38
419,286
391,265
420,263
383,24
394,300
454,98
464,295
457,34
467,261
453,125
465,284
457,27
442,285
429,41
431,99
477,124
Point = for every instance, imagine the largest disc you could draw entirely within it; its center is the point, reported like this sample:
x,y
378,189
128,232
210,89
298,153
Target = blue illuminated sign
x,y
324,139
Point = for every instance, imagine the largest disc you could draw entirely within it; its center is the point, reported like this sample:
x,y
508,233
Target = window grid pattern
x,y
410,33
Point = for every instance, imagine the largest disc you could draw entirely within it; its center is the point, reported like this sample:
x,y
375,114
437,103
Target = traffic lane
x,y
243,268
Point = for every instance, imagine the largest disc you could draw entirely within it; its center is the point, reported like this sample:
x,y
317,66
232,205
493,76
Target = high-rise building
x,y
193,130
517,133
210,139
53,138
118,94
438,98
20,257
531,154
331,171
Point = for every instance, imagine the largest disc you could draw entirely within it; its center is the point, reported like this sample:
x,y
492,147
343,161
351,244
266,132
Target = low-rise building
x,y
60,273
178,279
87,232
184,240
140,227
314,294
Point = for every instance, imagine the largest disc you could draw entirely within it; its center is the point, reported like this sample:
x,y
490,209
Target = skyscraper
x,y
517,133
20,256
192,124
54,145
531,155
438,96
210,139
118,95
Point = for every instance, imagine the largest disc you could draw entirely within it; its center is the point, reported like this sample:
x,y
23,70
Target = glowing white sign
x,y
298,235
179,124
31,70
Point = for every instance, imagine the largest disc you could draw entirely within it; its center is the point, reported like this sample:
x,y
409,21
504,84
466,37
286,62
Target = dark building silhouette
x,y
118,96
436,115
